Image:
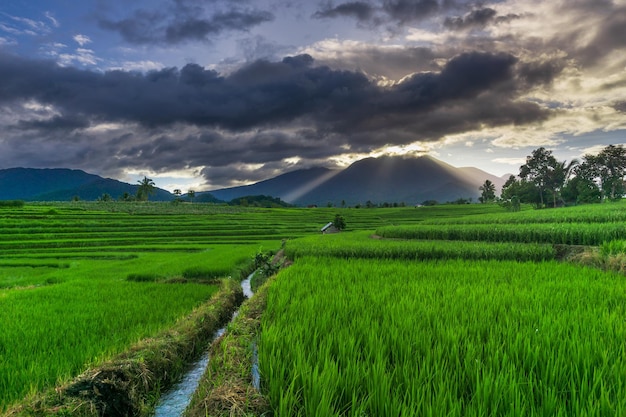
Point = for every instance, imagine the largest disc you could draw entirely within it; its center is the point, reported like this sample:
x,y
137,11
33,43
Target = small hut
x,y
329,228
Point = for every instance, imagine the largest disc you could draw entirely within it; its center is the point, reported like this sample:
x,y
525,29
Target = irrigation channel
x,y
174,402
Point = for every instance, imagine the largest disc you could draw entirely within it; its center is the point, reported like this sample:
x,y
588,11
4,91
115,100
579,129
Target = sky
x,y
205,94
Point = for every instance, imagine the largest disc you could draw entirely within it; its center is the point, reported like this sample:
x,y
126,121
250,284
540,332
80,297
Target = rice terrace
x,y
449,310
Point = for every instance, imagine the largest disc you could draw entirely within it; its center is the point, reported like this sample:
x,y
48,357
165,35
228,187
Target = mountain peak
x,y
388,178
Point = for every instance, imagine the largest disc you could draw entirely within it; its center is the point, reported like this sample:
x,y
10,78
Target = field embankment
x,y
127,384
227,387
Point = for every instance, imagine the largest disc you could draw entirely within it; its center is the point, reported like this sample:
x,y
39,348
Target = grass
x,y
226,388
460,338
81,282
357,326
128,383
362,245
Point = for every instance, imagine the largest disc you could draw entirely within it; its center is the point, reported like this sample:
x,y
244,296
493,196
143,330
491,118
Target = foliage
x,y
11,203
605,171
488,192
146,189
339,222
359,245
264,264
259,201
460,338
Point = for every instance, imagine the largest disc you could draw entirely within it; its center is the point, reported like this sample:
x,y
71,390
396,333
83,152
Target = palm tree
x,y
146,189
191,194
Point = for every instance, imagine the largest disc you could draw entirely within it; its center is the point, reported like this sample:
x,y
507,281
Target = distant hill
x,y
386,179
287,187
408,180
60,184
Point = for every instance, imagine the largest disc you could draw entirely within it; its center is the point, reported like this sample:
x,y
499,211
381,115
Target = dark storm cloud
x,y
183,21
620,106
360,10
610,36
263,113
260,94
541,72
391,11
410,10
392,63
200,29
475,19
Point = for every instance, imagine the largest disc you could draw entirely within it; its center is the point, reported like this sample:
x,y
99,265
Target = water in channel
x,y
174,401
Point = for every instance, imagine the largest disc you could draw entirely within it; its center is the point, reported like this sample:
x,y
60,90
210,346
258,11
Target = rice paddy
x,y
465,316
456,338
430,311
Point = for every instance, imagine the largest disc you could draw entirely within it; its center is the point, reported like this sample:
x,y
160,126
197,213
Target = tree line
x,y
544,181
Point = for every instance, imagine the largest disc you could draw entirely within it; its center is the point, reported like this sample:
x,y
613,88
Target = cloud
x,y
52,19
475,19
360,10
17,25
265,94
82,40
384,62
183,21
392,12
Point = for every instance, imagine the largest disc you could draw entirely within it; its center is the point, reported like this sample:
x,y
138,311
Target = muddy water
x,y
173,402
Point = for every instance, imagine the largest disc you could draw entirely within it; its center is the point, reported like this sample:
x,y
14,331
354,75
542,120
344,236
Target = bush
x,y
11,203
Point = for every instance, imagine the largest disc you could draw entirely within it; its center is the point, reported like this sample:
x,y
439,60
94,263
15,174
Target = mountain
x,y
287,186
391,179
59,184
386,179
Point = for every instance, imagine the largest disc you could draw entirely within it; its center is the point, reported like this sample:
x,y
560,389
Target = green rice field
x,y
364,337
451,316
432,311
81,282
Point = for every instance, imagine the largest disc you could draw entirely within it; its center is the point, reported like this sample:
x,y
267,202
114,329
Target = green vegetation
x,y
455,310
128,383
226,388
11,203
361,245
460,338
546,182
452,316
81,282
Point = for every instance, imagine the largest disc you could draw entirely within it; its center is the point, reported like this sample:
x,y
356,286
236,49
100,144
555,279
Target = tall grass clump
x,y
455,338
362,245
553,233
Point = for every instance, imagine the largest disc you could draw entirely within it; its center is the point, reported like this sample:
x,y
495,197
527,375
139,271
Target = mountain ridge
x,y
410,180
386,179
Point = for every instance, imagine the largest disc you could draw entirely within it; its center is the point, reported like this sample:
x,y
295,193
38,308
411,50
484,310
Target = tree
x,y
146,189
339,222
612,161
177,194
522,190
191,194
488,192
126,197
546,173
557,177
606,171
538,170
580,190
